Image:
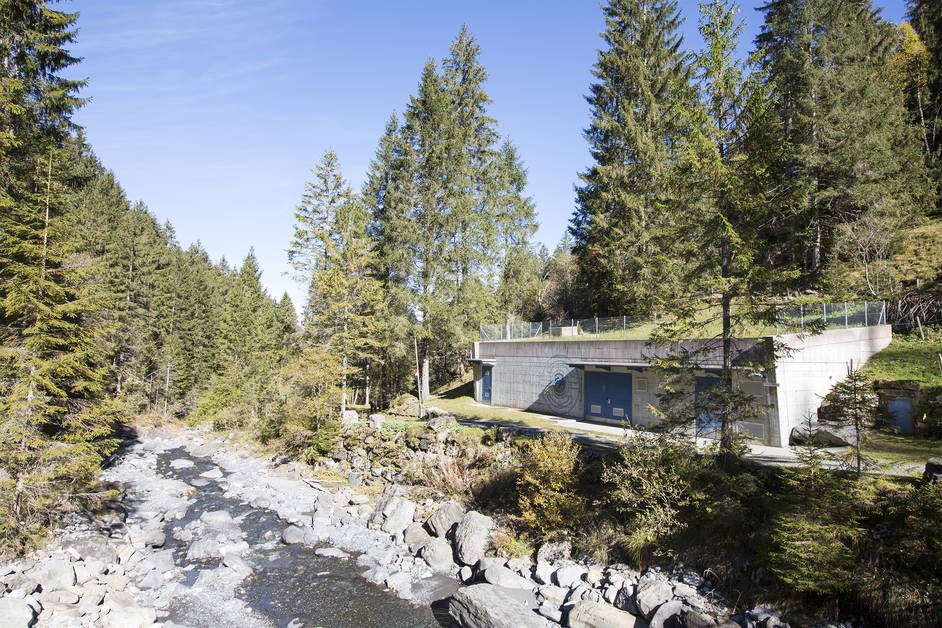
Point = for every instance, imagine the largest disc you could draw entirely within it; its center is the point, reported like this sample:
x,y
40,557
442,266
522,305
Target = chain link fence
x,y
788,319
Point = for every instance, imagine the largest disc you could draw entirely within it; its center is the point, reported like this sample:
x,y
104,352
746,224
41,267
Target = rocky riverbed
x,y
208,535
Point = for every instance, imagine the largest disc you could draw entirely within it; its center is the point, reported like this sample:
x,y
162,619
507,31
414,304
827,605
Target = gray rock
x,y
520,566
154,537
684,590
569,575
583,592
465,574
294,535
696,619
438,554
664,613
488,606
651,593
503,577
393,513
153,580
543,573
553,595
181,463
491,561
217,519
377,420
444,520
135,617
432,589
550,612
92,547
331,552
933,470
415,536
202,549
825,434
588,614
53,574
16,613
473,537
349,417
625,599
213,474
554,552
442,422
237,564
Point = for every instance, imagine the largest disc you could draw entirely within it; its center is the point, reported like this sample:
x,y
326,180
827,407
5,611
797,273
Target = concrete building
x,y
611,380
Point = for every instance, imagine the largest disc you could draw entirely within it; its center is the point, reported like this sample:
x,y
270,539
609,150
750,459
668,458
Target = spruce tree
x,y
54,421
722,206
621,205
925,93
344,298
828,62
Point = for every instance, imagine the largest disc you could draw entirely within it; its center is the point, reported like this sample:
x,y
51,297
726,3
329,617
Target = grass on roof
x,y
909,357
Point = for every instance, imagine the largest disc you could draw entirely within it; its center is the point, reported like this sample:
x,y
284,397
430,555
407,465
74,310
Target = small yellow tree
x,y
548,497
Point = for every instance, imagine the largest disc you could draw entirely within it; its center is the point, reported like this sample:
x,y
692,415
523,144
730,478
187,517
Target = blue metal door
x,y
708,421
486,384
901,413
608,395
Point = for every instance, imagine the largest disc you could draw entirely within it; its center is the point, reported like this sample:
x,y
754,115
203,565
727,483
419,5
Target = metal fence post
x,y
596,325
624,326
866,313
882,314
824,314
845,315
801,315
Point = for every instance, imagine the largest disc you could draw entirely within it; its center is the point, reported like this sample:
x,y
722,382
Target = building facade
x,y
612,382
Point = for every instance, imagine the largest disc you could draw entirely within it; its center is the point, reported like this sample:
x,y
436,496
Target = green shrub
x,y
649,483
814,554
548,496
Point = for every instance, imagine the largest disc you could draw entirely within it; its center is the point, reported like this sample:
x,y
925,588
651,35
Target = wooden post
x,y
418,377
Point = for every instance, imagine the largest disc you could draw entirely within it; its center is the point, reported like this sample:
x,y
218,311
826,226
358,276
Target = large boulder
x,y
393,513
16,613
443,520
824,434
488,606
503,577
569,575
53,574
473,537
438,554
662,616
933,471
651,593
294,535
377,420
92,547
553,552
349,417
588,614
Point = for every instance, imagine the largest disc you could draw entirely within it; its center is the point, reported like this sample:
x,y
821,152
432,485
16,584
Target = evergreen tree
x,y
828,61
344,298
622,204
925,81
725,204
52,372
440,191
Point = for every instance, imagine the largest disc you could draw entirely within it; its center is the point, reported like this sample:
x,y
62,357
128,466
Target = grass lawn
x,y
901,449
909,358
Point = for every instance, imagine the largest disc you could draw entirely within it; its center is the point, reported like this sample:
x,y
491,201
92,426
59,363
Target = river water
x,y
290,586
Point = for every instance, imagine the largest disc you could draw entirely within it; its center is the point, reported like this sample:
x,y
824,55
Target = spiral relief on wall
x,y
561,393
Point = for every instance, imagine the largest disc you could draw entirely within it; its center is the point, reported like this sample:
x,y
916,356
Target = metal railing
x,y
788,319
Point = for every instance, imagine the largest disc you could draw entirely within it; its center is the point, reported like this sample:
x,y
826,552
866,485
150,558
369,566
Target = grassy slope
x,y
909,358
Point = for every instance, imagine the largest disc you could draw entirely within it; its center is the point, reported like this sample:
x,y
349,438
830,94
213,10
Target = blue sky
x,y
212,112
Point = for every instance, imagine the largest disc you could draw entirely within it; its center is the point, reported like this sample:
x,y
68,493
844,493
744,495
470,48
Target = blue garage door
x,y
901,414
486,384
608,395
708,422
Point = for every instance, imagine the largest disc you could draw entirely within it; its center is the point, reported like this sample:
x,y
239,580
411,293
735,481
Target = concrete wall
x,y
811,365
536,376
